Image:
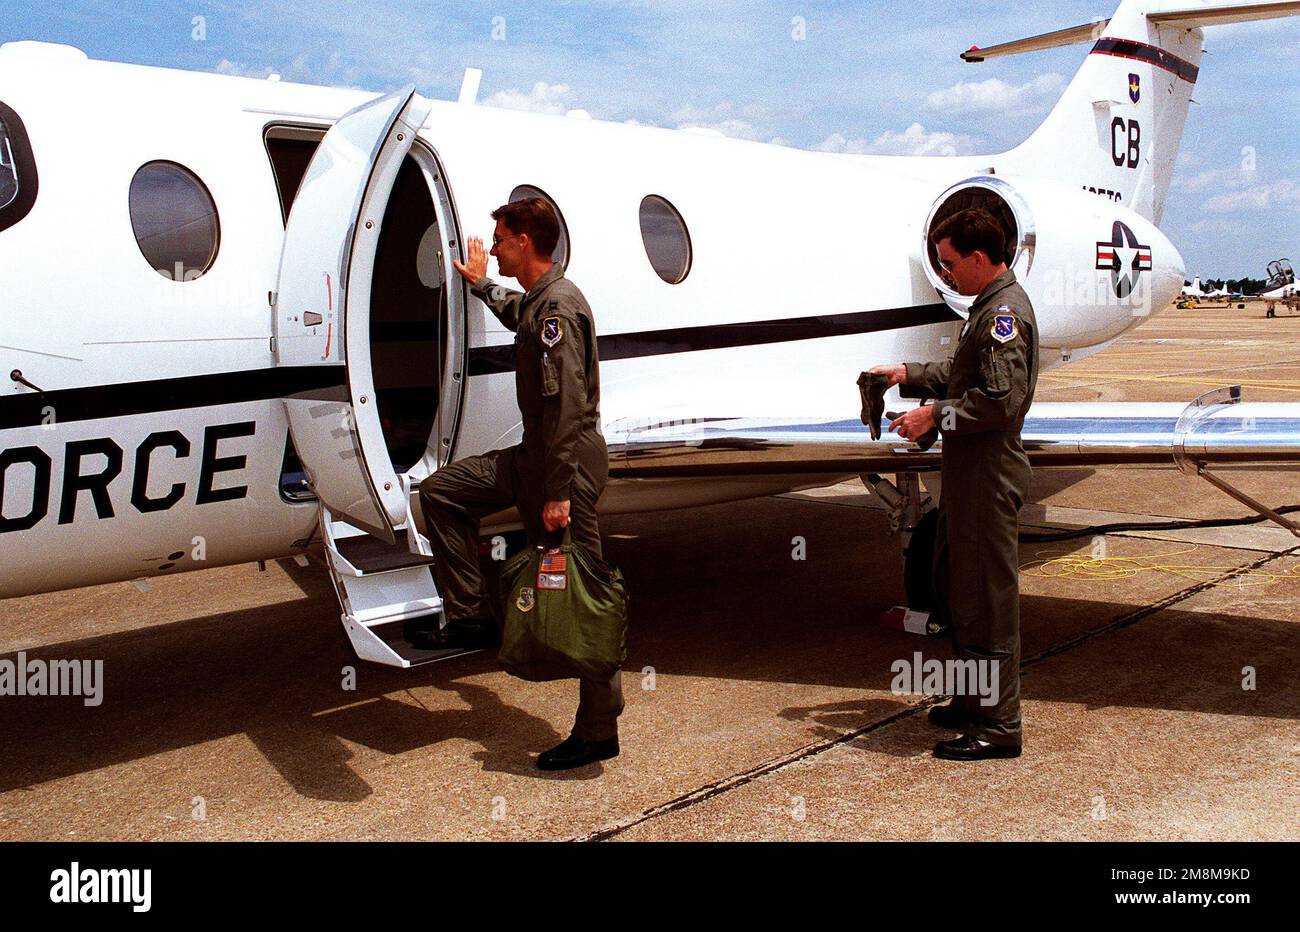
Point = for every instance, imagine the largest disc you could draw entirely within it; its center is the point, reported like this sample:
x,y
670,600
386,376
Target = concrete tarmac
x,y
1160,694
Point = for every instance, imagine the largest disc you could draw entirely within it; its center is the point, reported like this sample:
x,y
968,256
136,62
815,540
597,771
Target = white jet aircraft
x,y
1280,284
234,332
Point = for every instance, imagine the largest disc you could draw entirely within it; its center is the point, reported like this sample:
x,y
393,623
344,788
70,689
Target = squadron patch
x,y
551,332
526,599
1004,328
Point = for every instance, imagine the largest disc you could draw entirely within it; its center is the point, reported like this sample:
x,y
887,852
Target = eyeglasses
x,y
498,240
946,267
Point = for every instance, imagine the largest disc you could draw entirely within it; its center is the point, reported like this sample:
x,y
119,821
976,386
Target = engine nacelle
x,y
1092,268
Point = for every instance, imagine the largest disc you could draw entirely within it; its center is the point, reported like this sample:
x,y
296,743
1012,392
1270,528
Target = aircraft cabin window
x,y
18,180
175,220
561,254
8,168
666,240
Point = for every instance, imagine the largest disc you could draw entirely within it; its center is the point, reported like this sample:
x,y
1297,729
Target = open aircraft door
x,y
378,560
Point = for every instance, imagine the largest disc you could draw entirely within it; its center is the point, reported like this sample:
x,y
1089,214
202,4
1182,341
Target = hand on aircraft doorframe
x,y
555,515
915,423
476,268
897,373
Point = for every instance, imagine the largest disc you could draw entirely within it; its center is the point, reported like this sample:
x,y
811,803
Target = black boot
x,y
968,747
459,633
947,715
576,752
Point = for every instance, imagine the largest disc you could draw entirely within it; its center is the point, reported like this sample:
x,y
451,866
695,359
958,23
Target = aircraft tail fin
x,y
1117,128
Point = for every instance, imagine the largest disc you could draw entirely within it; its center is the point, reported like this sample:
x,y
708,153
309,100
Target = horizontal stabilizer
x,y
1175,13
1088,32
1217,14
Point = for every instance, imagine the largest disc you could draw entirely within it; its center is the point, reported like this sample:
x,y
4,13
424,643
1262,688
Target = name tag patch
x,y
552,580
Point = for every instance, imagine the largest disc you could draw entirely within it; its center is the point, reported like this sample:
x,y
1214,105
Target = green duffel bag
x,y
565,614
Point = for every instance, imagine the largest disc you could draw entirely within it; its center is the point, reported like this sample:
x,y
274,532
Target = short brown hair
x,y
971,229
534,218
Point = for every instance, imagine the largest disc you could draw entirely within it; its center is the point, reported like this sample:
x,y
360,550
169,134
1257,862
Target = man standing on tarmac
x,y
984,392
554,476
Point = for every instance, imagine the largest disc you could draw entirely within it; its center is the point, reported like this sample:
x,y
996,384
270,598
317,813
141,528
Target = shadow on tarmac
x,y
715,593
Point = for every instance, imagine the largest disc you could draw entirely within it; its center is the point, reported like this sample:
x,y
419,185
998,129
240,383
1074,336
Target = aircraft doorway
x,y
416,320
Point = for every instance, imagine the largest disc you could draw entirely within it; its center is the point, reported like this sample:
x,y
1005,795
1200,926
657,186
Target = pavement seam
x,y
736,780
1159,605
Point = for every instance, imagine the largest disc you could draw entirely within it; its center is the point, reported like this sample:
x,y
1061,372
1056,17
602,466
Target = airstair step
x,y
394,635
371,555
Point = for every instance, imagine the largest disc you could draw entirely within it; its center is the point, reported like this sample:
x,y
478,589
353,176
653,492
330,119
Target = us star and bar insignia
x,y
1124,257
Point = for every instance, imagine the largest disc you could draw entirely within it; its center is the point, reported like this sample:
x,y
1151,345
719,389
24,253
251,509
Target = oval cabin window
x,y
175,220
666,240
560,256
18,181
8,168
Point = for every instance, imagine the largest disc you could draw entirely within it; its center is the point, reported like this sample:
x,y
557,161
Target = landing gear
x,y
918,564
912,516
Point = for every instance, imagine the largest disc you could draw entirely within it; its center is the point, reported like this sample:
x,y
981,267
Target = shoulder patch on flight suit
x,y
1004,328
551,332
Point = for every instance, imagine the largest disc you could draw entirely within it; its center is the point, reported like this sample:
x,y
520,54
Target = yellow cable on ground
x,y
1277,385
1056,564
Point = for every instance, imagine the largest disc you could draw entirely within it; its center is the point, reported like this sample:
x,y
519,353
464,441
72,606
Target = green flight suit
x,y
562,457
984,392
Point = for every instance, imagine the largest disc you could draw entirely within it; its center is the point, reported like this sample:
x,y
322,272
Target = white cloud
x,y
332,71
914,140
736,129
1284,193
1218,225
718,120
722,119
543,98
240,70
1215,179
997,96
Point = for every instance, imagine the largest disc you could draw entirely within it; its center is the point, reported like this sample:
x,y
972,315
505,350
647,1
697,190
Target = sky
x,y
849,76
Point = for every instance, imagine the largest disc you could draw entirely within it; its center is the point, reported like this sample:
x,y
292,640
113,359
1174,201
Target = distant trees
x,y
1245,286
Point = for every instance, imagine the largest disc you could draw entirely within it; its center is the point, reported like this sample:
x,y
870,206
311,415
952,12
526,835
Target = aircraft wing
x,y
1216,429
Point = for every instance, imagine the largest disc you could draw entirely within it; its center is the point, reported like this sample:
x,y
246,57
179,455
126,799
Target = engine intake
x,y
1092,268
